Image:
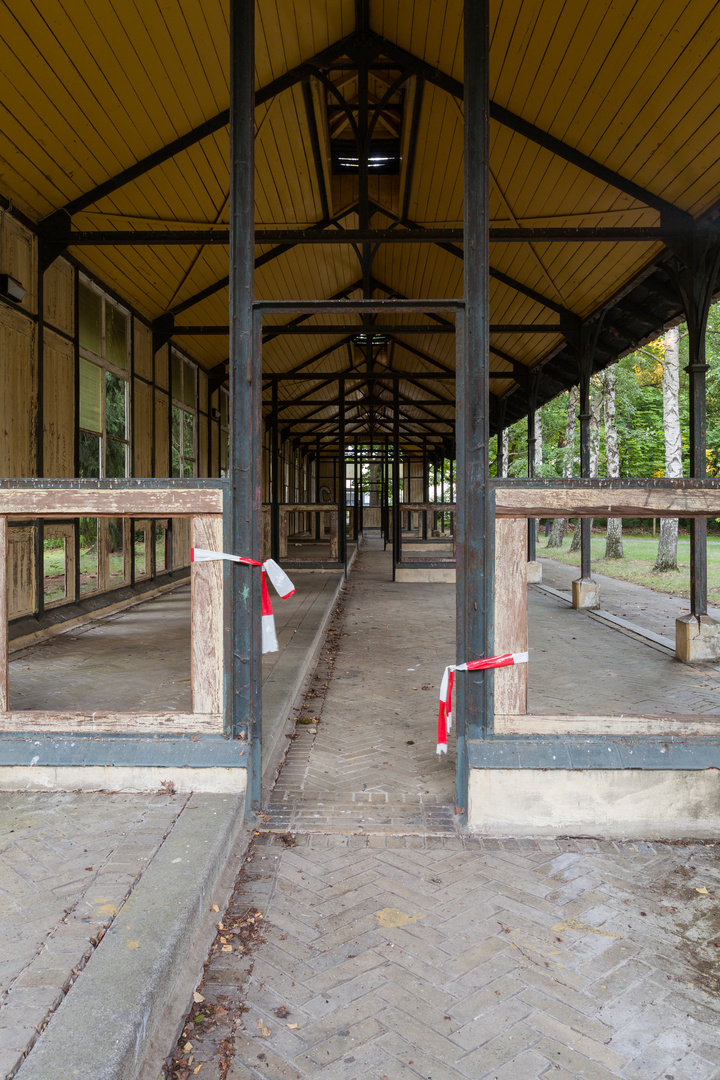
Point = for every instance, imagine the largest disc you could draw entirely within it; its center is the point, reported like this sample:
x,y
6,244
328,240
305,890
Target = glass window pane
x,y
116,551
89,455
90,319
90,396
55,587
114,459
177,366
188,468
188,435
88,555
176,428
115,405
189,379
116,335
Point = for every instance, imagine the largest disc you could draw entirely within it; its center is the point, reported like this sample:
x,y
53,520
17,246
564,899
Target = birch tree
x,y
613,541
667,547
595,410
502,454
559,524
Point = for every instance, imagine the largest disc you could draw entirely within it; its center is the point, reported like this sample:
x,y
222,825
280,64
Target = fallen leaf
x,y
227,948
132,944
293,1027
214,907
703,891
187,1047
282,1011
197,998
264,1031
196,1071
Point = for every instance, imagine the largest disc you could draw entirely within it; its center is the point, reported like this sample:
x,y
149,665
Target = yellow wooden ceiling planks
x,y
206,41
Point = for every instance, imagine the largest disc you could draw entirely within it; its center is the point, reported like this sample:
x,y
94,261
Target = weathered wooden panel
x,y
143,429
4,683
605,502
162,435
202,446
143,350
18,393
511,618
207,619
117,723
202,391
58,406
59,296
181,538
69,502
161,367
20,259
21,571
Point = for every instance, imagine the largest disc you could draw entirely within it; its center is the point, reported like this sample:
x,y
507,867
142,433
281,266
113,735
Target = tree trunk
x,y
502,453
595,408
559,525
613,542
538,463
667,547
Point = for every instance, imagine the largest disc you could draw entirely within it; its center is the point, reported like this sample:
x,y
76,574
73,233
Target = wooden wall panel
x,y
58,406
21,571
59,296
143,431
162,436
207,619
181,534
18,393
511,619
143,350
20,258
161,367
202,446
202,391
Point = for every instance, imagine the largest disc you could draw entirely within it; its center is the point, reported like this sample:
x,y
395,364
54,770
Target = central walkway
x,y
366,938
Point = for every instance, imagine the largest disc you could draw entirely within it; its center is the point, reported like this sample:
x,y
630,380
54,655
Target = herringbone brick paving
x,y
455,959
67,863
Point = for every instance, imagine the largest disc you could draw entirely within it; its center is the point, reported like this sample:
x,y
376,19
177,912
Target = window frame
x,y
183,408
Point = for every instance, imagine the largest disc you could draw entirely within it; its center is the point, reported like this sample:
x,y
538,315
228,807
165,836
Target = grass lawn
x,y
637,564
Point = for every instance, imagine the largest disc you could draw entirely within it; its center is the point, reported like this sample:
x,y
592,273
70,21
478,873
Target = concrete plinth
x,y
585,594
534,573
697,638
614,803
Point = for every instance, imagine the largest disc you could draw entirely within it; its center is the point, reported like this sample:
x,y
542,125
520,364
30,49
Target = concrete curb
x,y
122,1017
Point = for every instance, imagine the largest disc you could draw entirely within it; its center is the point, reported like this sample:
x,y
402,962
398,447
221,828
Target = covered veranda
x,y
420,199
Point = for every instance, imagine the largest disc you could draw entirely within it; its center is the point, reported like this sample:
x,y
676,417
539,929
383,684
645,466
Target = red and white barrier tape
x,y
270,569
446,688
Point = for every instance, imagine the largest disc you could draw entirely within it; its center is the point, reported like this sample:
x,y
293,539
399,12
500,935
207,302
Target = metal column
x,y
245,401
475,517
275,469
342,480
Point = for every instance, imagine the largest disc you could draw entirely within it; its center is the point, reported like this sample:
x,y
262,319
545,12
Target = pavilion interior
x,y
604,157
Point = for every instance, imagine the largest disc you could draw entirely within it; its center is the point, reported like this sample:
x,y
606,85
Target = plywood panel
x,y
143,429
143,350
18,393
511,619
59,296
162,436
58,406
21,572
118,723
207,619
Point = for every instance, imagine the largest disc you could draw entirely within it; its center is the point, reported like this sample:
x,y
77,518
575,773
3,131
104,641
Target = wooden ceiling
x,y
89,88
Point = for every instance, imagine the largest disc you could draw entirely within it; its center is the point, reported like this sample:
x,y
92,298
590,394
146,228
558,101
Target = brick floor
x,y
455,959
